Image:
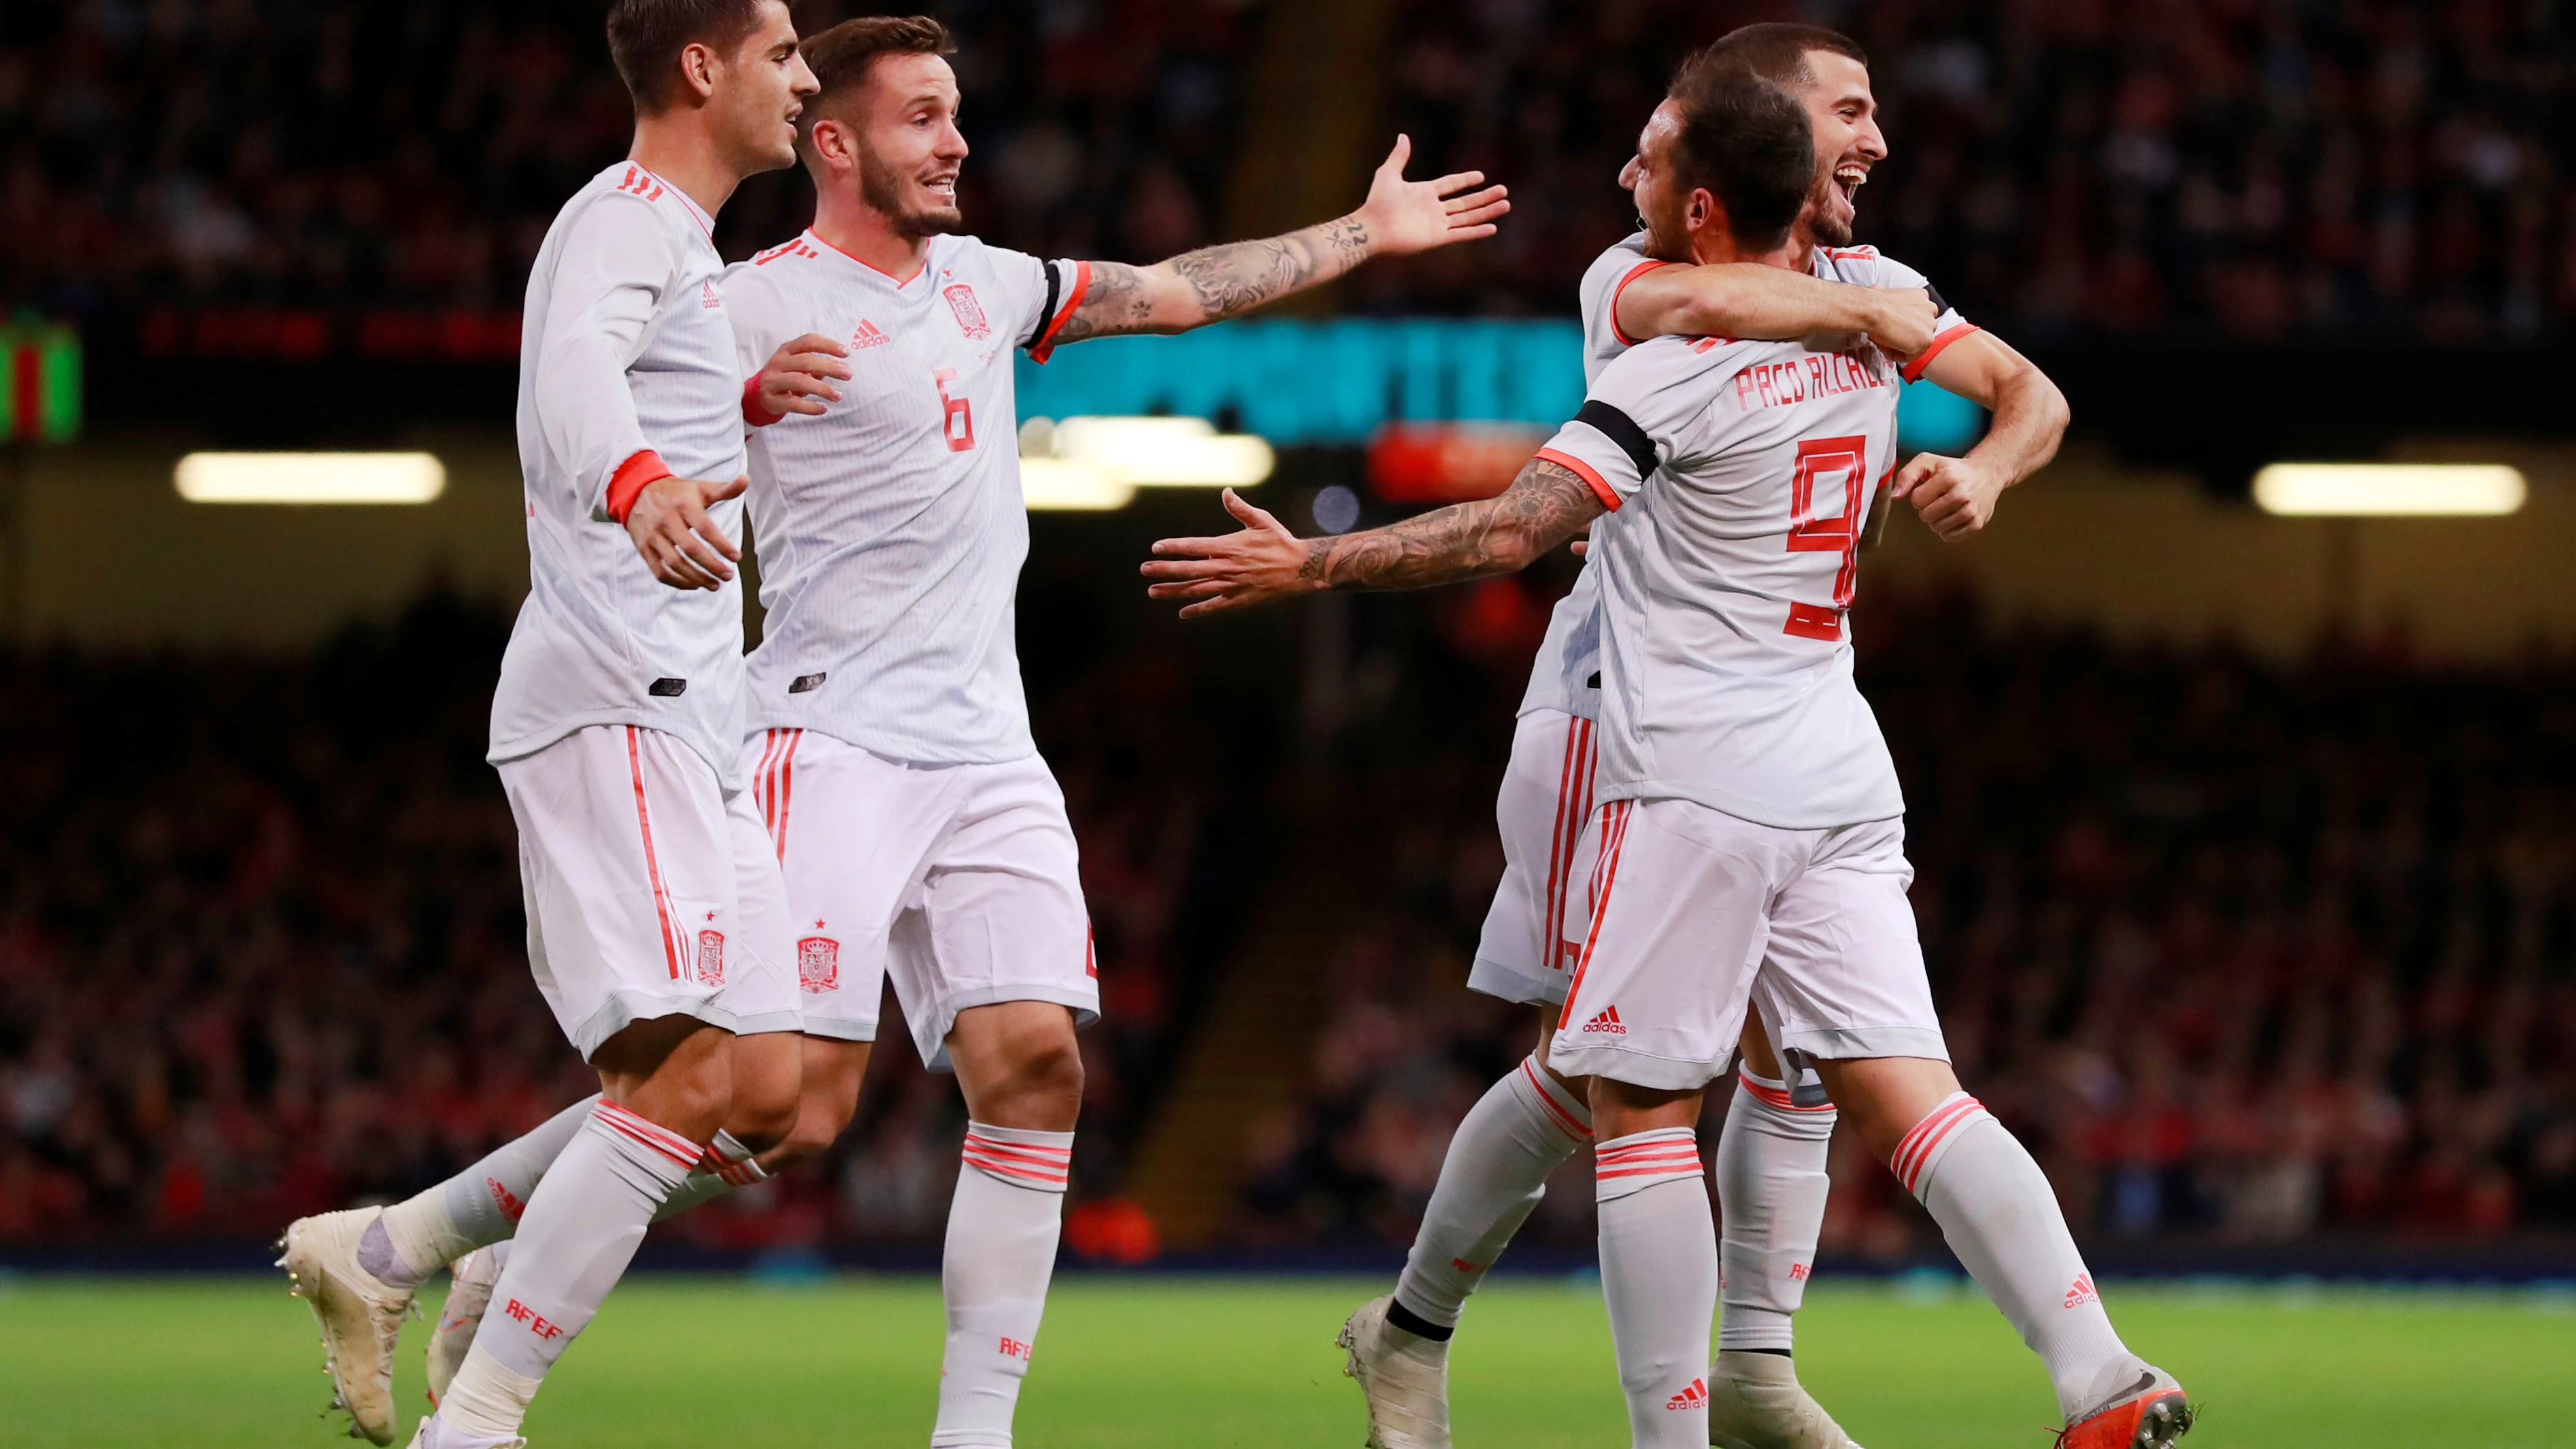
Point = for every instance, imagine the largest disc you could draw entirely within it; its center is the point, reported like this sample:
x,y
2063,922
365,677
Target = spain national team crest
x,y
818,964
970,313
711,957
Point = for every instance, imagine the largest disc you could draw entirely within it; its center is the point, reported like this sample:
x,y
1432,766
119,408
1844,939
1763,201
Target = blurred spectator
x,y
261,947
2243,952
328,154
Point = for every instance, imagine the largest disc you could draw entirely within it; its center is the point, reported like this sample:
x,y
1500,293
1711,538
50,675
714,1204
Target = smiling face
x,y
1844,115
755,95
896,139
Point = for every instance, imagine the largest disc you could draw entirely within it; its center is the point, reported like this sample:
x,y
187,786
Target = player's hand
x,y
1904,320
1953,496
680,543
1415,216
1262,562
798,378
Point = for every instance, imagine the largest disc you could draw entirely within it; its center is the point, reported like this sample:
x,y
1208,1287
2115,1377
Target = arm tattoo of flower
x,y
1544,507
1116,302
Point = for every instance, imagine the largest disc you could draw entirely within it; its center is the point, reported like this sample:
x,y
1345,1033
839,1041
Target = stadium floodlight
x,y
311,477
2389,490
1060,483
1153,452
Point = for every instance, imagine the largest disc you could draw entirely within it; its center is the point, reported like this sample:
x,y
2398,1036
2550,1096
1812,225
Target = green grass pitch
x,y
1194,1364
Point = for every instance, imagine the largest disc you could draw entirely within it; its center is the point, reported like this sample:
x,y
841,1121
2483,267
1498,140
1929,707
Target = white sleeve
x,y
1609,273
750,307
610,279
1059,288
1947,327
1636,416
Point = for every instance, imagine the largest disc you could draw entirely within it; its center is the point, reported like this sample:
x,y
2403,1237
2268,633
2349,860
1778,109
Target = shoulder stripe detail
x,y
1590,475
1044,347
1619,428
1639,270
1914,370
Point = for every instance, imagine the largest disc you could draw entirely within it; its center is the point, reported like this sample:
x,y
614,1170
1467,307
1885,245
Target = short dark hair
x,y
1777,50
645,38
1747,142
841,56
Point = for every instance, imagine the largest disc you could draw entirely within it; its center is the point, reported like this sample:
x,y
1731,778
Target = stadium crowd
x,y
2257,169
262,950
2245,953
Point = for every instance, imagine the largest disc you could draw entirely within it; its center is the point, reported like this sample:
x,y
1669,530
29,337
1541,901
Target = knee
x,y
819,1123
761,1119
1041,1088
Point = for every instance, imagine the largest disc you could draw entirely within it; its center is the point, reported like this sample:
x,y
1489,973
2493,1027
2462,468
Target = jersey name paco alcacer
x,y
1739,475
891,528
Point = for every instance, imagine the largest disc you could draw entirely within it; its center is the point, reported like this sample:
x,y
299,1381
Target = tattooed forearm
x,y
1214,283
1546,505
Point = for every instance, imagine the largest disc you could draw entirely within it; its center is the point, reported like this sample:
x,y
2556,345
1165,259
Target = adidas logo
x,y
868,335
1694,1397
1607,1023
506,1200
2082,1293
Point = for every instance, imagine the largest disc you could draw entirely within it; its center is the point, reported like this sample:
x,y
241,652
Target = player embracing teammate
x,y
724,864
1748,847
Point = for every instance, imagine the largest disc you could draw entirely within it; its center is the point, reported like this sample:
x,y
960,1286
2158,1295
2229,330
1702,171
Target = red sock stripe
x,y
1771,1096
661,1139
740,1174
1656,1157
1047,1166
1916,1147
1566,1121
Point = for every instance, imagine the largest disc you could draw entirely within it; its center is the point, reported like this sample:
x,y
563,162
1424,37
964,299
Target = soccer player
x,y
657,923
1750,846
1771,1157
921,836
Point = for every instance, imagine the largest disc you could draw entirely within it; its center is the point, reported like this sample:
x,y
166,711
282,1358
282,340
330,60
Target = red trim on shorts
x,y
652,863
1639,270
786,772
1605,871
1913,370
1044,347
1586,472
1558,861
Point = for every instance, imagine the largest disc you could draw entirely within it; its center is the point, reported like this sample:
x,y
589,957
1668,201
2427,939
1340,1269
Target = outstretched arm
x,y
1956,496
1756,300
1214,283
1546,505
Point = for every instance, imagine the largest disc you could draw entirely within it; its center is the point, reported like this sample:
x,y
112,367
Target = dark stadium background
x,y
2247,846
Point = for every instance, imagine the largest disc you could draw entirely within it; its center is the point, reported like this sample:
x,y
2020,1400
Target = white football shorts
x,y
959,882
1534,929
649,894
1696,913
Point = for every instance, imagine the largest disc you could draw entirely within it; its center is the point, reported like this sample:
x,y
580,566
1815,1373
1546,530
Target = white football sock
x,y
1659,1277
2000,1216
1771,1188
475,1208
1517,1135
1002,1230
580,1231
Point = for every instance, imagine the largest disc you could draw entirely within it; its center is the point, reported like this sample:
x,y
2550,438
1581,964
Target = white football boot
x,y
433,1435
360,1315
1405,1376
1756,1402
469,1292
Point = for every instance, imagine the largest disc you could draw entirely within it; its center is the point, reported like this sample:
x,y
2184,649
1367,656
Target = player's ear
x,y
698,69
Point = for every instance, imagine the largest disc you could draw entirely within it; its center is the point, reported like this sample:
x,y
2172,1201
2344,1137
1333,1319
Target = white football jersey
x,y
1740,475
891,527
624,349
1564,675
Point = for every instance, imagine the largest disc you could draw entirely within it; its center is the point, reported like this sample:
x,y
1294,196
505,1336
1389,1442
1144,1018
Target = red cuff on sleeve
x,y
631,478
1585,471
1914,369
1639,270
1044,347
752,412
